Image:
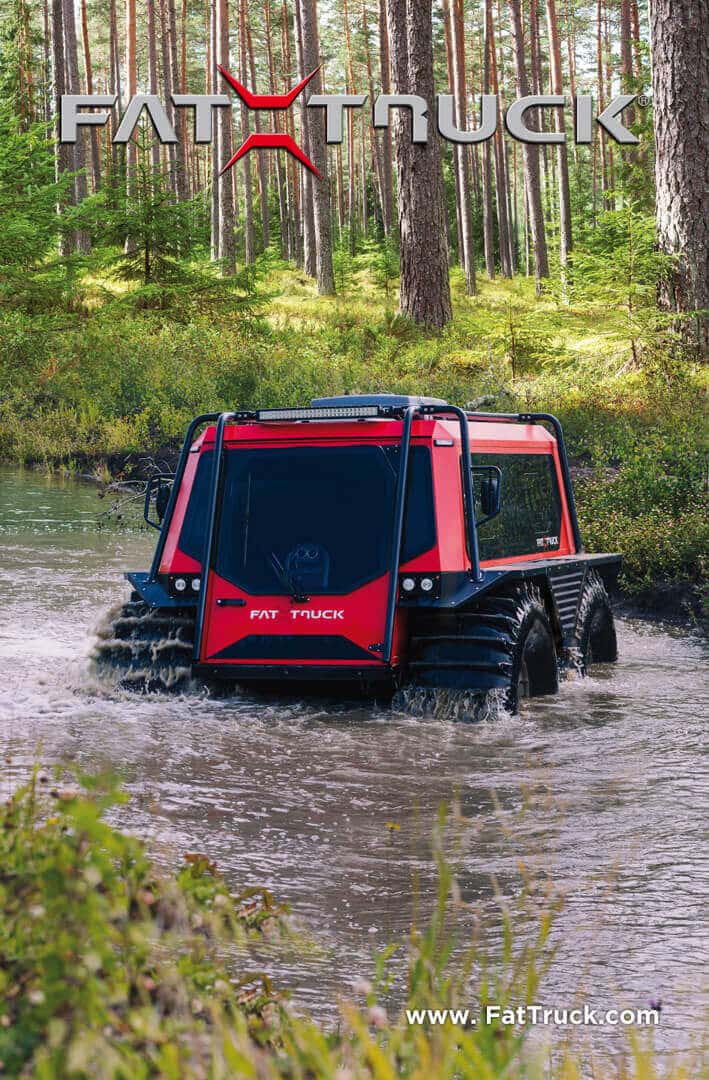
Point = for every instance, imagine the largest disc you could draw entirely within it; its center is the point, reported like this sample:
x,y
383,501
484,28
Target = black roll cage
x,y
407,414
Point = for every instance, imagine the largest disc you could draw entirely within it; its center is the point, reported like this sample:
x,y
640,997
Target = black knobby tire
x,y
535,667
504,646
595,639
145,650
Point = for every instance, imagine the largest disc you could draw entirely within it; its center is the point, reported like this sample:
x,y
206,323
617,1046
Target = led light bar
x,y
339,412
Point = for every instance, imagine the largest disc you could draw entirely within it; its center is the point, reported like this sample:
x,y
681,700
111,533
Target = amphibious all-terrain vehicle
x,y
371,542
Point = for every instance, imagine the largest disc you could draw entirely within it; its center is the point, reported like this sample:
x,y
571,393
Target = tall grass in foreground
x,y
110,969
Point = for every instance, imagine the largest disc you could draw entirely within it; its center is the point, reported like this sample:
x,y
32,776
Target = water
x,y
302,796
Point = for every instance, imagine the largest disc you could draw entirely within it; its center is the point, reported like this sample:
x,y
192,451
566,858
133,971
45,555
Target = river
x,y
332,806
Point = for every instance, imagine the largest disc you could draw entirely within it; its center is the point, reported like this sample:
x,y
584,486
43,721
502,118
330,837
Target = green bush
x,y
107,968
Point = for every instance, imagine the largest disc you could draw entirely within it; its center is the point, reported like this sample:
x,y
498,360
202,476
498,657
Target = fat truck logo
x,y
299,614
334,105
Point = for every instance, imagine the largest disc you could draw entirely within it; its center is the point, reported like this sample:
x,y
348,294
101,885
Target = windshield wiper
x,y
286,580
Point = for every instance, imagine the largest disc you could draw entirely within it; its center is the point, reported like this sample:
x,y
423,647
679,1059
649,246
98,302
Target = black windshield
x,y
325,512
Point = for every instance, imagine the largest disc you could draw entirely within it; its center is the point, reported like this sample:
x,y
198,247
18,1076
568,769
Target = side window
x,y
195,521
420,520
529,521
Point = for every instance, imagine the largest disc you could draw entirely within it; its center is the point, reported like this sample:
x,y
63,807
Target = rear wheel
x,y
144,649
594,638
535,670
503,649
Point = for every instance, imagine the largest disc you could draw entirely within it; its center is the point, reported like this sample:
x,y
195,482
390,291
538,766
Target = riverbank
x,y
111,385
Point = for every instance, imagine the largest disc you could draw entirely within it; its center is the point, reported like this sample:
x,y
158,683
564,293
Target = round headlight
x,y
408,584
180,584
196,583
426,584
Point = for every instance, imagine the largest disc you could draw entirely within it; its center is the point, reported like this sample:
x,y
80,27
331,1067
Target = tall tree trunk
x,y
182,113
292,169
445,6
351,89
680,86
530,153
227,247
262,160
535,117
286,251
488,231
571,58
626,56
609,95
114,78
214,157
304,176
364,209
88,74
83,239
385,80
170,151
601,100
501,179
317,149
47,64
131,88
424,282
375,141
557,87
462,160
63,156
249,237
635,19
182,183
152,77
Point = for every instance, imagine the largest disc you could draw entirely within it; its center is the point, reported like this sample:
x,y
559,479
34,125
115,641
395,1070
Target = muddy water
x,y
301,796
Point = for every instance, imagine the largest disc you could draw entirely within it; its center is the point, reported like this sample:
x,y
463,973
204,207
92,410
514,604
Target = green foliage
x,y
616,265
108,969
145,218
655,508
28,194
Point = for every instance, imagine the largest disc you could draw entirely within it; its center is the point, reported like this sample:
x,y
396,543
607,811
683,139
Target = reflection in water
x,y
297,796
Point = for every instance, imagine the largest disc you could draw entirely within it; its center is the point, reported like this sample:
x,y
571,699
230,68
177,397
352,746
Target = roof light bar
x,y
341,412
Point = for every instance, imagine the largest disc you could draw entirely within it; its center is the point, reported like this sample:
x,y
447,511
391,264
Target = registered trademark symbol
x,y
643,100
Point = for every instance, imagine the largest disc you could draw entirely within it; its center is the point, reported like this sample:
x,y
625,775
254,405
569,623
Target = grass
x,y
118,372
113,970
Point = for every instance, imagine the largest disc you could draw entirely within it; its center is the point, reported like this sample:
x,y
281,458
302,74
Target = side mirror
x,y
157,488
162,498
490,496
489,492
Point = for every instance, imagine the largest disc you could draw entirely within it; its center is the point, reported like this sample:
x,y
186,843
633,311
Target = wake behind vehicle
x,y
369,542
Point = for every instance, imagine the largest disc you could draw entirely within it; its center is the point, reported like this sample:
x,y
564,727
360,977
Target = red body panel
x,y
360,615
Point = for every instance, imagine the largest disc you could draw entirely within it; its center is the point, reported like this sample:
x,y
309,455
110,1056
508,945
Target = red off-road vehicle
x,y
372,542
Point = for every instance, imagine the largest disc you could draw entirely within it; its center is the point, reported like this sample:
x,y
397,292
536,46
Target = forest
x,y
143,282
